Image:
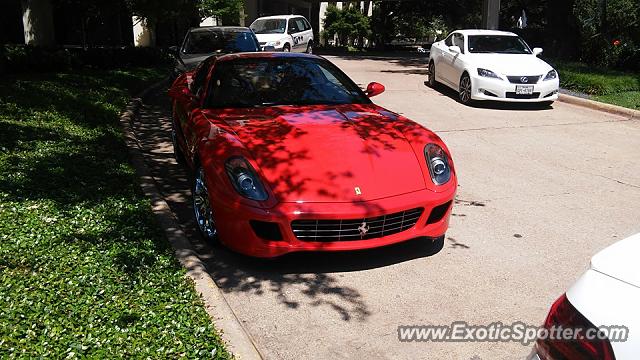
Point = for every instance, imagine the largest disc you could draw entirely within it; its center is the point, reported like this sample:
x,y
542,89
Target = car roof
x,y
220,29
266,55
484,32
286,17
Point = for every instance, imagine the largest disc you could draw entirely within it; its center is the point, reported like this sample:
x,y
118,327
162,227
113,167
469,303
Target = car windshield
x,y
501,44
206,42
269,26
280,81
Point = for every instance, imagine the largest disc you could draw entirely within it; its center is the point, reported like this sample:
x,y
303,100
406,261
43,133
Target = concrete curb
x,y
236,338
596,105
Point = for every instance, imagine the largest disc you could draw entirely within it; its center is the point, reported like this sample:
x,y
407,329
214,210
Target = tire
x,y
202,212
309,47
465,89
177,152
431,75
286,48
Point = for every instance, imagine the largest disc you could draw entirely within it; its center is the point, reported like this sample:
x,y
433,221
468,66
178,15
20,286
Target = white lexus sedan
x,y
492,65
605,299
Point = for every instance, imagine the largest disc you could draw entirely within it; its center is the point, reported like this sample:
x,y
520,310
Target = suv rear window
x,y
216,41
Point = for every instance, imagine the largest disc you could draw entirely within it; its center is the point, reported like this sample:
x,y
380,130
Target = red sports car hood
x,y
328,154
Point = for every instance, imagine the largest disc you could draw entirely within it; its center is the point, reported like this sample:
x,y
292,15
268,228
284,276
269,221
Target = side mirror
x,y
374,89
537,51
455,49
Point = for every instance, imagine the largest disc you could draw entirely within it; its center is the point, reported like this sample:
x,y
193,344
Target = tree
x,y
156,10
609,31
221,9
348,23
422,19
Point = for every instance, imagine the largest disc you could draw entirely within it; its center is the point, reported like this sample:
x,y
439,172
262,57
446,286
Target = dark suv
x,y
202,42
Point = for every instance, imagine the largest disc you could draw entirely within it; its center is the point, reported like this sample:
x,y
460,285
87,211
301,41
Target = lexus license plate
x,y
524,89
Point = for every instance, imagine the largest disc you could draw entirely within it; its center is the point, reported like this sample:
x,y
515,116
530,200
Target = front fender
x,y
214,149
419,137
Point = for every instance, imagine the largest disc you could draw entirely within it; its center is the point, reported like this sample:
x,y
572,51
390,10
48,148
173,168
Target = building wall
x,y
11,31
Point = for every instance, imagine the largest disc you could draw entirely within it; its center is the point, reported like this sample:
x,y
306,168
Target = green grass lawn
x,y
629,99
610,86
84,271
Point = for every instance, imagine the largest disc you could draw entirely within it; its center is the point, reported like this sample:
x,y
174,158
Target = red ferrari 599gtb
x,y
289,154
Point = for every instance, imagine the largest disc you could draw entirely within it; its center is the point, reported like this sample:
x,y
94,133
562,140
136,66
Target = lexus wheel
x,y
310,48
465,89
202,211
431,73
286,48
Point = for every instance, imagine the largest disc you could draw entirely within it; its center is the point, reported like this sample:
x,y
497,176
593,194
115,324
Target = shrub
x,y
609,32
25,58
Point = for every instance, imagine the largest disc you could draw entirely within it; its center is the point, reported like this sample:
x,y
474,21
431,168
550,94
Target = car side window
x,y
449,40
307,26
300,24
458,40
293,26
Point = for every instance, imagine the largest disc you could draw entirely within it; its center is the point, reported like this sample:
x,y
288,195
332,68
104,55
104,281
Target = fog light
x,y
266,230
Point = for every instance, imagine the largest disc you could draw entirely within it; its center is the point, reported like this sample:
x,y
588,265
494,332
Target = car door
x,y
186,102
444,72
458,60
306,33
296,36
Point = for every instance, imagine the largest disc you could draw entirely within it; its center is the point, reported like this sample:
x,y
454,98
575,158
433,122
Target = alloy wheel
x,y
432,74
202,207
465,89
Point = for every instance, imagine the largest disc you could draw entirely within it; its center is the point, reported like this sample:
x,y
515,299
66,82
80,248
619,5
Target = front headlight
x,y
488,73
551,75
438,163
273,43
244,179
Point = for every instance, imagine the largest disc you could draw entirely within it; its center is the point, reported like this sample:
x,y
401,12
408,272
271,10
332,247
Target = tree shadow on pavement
x,y
296,280
401,59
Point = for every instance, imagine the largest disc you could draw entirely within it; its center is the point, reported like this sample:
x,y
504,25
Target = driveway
x,y
541,191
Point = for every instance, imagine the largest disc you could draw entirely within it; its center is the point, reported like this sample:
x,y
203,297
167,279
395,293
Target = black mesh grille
x,y
533,79
352,229
513,95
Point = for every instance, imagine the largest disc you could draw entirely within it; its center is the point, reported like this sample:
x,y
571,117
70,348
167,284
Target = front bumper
x,y
272,48
485,88
235,231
